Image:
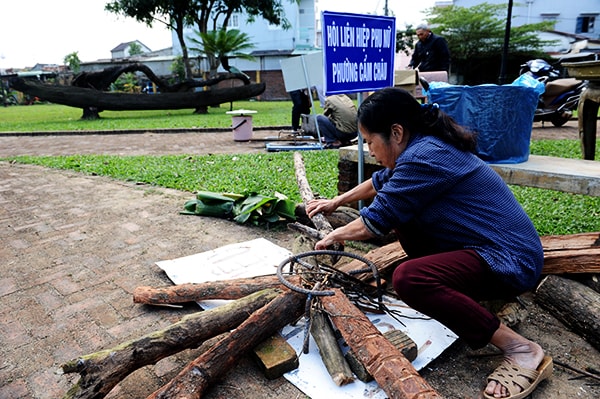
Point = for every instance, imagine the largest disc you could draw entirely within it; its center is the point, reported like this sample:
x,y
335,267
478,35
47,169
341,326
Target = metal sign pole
x,y
312,103
361,150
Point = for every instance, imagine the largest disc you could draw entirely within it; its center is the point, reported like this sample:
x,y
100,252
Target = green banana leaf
x,y
221,209
252,207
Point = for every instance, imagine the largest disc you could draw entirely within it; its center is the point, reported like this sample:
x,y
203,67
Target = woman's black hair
x,y
392,105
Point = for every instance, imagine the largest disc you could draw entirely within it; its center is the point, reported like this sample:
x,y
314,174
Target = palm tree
x,y
219,45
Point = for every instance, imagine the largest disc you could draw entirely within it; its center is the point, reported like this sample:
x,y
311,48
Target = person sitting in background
x,y
467,237
337,125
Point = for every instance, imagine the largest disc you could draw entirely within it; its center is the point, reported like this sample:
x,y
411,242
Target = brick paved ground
x,y
74,248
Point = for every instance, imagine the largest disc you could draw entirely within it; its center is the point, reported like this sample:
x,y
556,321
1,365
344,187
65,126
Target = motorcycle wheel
x,y
558,120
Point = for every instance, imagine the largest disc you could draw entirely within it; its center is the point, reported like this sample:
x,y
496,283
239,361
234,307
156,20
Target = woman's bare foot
x,y
517,350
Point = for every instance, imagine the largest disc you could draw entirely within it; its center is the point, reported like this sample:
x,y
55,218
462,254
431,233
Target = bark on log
x,y
575,253
222,289
331,354
582,260
591,280
193,380
319,220
101,371
340,217
386,259
571,241
574,304
392,371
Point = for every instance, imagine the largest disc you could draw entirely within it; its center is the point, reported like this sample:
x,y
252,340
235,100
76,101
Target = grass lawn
x,y
53,117
552,212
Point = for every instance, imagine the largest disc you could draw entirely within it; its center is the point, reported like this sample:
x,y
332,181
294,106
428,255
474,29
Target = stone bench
x,y
575,176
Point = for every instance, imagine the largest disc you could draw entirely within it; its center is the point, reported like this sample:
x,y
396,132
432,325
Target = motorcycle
x,y
561,95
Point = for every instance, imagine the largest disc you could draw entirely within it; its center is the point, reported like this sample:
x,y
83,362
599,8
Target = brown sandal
x,y
519,381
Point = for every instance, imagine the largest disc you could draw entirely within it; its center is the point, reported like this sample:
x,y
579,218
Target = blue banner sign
x,y
359,52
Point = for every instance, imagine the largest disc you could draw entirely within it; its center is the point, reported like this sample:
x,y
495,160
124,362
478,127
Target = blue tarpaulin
x,y
502,116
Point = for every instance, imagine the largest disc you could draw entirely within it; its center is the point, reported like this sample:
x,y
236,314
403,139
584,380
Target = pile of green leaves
x,y
251,208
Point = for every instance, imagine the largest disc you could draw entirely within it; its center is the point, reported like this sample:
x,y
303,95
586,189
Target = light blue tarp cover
x,y
502,115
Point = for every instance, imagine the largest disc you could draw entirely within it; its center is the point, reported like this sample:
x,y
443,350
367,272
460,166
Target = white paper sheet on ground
x,y
260,257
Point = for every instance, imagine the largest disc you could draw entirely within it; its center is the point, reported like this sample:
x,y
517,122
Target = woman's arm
x,y
363,191
355,230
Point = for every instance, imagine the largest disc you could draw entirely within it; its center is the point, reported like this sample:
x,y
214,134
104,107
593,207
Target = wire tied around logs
x,y
329,275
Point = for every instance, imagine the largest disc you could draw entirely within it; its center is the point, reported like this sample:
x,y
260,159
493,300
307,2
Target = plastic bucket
x,y
242,128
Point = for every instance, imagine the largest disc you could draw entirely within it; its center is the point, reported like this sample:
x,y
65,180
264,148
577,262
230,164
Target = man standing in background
x,y
431,51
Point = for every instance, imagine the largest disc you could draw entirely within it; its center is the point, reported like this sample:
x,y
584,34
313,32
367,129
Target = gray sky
x,y
42,31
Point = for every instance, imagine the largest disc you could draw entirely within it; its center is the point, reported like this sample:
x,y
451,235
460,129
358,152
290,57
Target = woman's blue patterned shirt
x,y
456,201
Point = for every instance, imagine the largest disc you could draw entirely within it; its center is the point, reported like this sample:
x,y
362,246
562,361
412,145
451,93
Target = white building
x,y
577,17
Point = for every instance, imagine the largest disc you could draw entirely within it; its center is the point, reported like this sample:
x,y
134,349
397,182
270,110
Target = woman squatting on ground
x,y
467,237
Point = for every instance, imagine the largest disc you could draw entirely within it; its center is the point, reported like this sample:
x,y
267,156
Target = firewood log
x,y
222,289
319,220
194,379
392,371
331,354
570,241
102,371
574,304
575,253
582,260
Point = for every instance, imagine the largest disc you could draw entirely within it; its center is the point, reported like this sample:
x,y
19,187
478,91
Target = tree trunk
x,y
193,380
222,289
85,98
574,304
101,371
392,371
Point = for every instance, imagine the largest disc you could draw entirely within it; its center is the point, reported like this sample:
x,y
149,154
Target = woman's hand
x,y
355,230
327,242
325,206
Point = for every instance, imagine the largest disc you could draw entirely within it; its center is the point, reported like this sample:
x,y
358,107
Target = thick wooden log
x,y
392,371
319,220
331,354
194,379
340,217
101,371
386,258
574,304
222,289
571,241
591,280
575,253
584,260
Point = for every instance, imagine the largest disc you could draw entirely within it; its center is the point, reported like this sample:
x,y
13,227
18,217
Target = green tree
x,y
405,39
73,62
135,48
178,69
219,45
206,15
475,38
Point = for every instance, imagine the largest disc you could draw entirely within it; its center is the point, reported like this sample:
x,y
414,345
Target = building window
x,y
585,24
549,17
234,21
